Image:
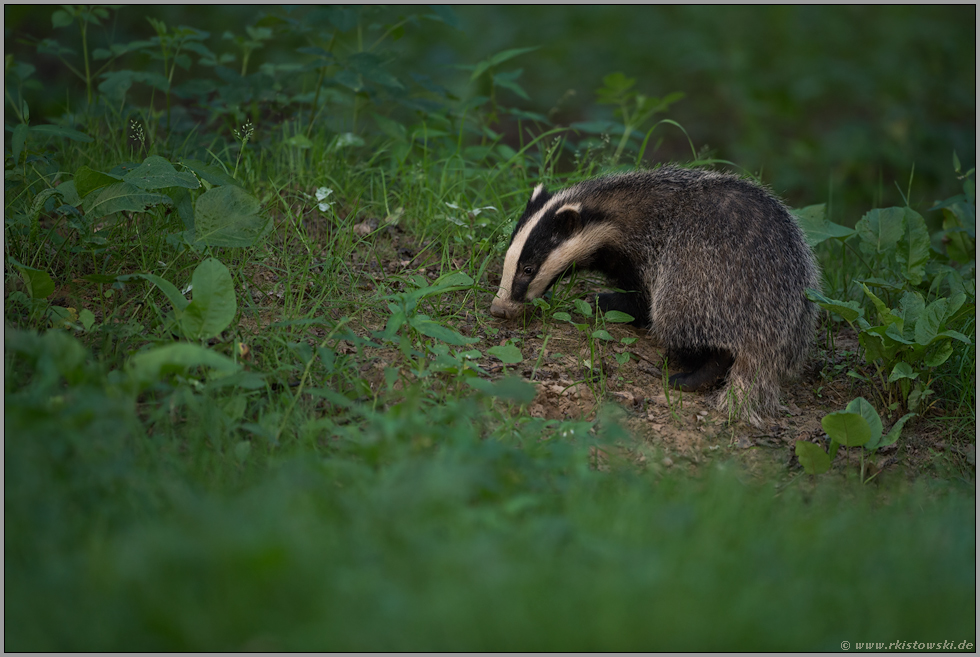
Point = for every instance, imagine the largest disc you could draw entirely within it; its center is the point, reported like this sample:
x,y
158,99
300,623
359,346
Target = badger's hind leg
x,y
707,369
630,303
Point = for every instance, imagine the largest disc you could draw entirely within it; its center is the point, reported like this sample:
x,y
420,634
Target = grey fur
x,y
717,261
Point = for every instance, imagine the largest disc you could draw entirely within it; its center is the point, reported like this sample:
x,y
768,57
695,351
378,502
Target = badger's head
x,y
552,234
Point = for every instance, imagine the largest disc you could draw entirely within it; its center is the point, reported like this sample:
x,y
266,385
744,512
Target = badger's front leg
x,y
630,303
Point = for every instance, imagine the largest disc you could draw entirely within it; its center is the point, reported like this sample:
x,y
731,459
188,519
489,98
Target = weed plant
x,y
253,398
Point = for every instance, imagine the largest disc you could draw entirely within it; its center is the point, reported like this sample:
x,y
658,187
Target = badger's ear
x,y
569,215
539,197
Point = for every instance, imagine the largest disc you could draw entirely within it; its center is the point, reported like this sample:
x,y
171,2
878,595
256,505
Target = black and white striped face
x,y
551,235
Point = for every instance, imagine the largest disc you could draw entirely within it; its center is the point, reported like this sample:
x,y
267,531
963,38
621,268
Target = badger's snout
x,y
505,308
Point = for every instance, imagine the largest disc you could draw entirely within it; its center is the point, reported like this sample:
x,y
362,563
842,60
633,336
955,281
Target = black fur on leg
x,y
708,368
630,303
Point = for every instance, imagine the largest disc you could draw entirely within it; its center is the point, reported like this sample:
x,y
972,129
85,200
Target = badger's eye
x,y
528,270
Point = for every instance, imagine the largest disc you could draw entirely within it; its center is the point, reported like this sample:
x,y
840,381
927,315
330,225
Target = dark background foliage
x,y
831,103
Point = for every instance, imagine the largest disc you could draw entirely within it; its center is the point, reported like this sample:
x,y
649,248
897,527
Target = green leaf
x,y
583,308
562,317
881,229
61,18
214,305
602,334
956,335
157,173
812,457
87,318
507,353
896,430
848,429
509,81
863,407
911,307
884,312
439,332
813,220
930,321
902,370
149,366
499,58
912,252
228,216
88,180
120,197
39,283
617,317
849,310
939,354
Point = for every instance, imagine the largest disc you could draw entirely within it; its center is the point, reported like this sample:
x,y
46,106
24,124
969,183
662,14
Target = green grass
x,y
345,464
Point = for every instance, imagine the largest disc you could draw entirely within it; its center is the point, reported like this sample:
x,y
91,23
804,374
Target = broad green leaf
x,y
228,216
881,229
39,283
956,335
862,407
912,252
911,307
149,366
87,318
507,353
812,457
930,322
69,194
884,312
562,317
896,430
183,204
499,58
120,197
601,334
583,308
88,180
61,18
214,305
848,429
813,220
902,370
439,332
849,310
617,317
939,354
157,173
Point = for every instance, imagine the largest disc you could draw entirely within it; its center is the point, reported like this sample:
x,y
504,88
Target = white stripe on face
x,y
580,245
502,303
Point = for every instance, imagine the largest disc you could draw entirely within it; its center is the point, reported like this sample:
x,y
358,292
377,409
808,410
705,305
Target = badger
x,y
713,265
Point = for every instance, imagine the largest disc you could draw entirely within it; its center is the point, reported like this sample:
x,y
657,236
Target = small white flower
x,y
321,194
